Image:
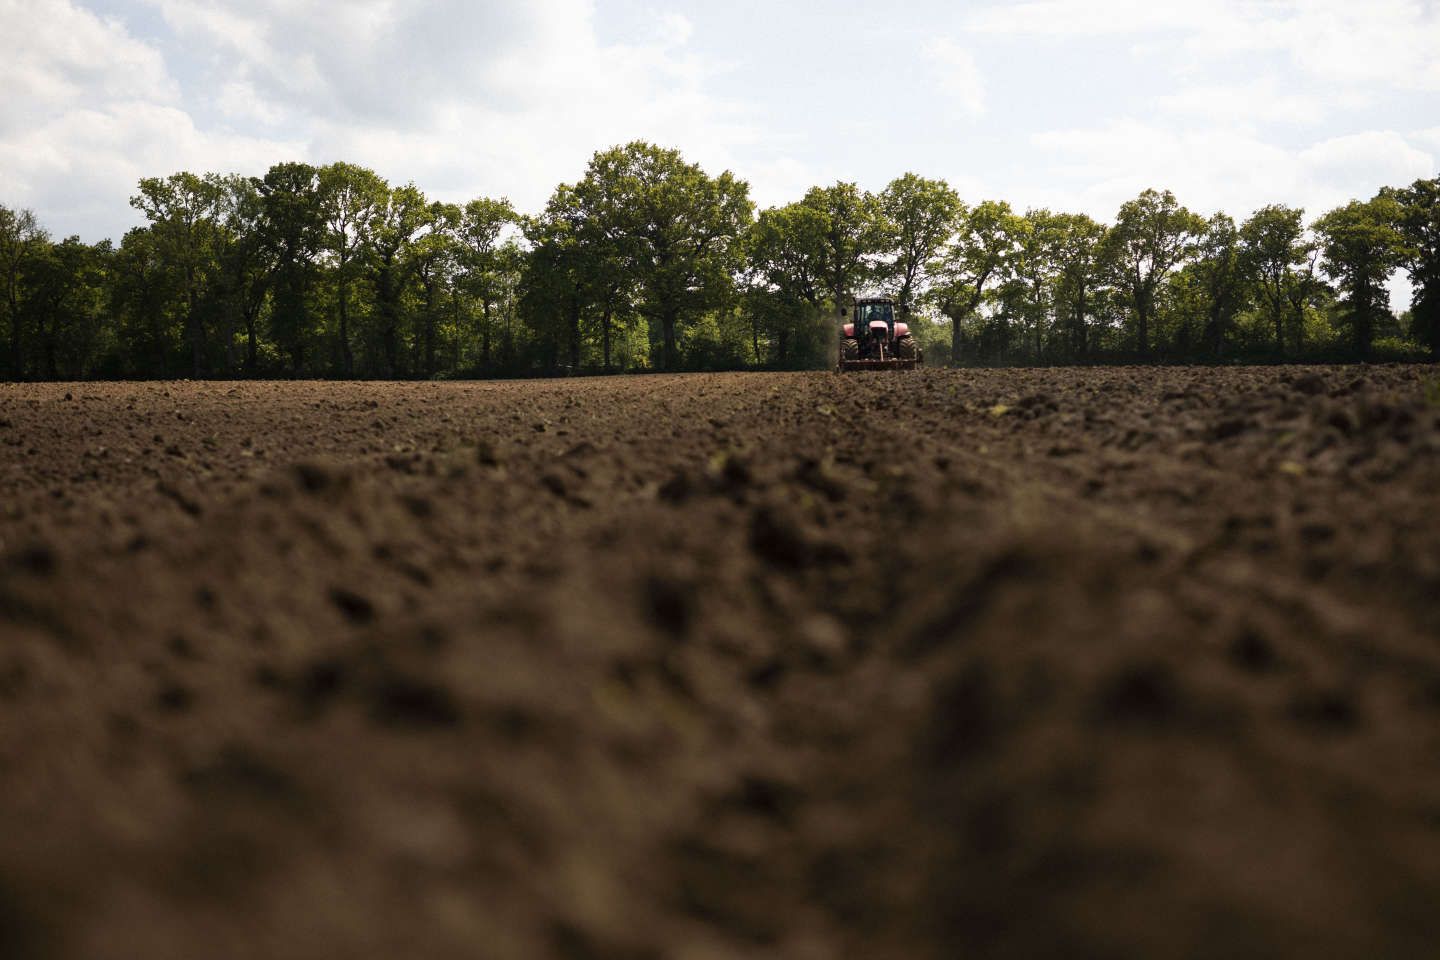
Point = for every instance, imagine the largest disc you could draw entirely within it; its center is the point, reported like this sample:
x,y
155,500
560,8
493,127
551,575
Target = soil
x,y
1106,662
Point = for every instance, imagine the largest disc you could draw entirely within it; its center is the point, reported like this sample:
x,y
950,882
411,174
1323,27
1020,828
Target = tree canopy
x,y
648,261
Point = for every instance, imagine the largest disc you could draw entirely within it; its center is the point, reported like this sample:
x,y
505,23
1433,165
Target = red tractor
x,y
874,340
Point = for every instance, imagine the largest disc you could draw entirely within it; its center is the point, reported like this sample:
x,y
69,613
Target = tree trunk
x,y
389,321
485,335
1297,304
347,357
955,337
668,319
574,331
429,329
251,346
1142,319
48,334
1364,306
17,343
605,336
192,324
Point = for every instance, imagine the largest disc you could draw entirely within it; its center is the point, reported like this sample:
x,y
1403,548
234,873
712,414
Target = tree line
x,y
648,262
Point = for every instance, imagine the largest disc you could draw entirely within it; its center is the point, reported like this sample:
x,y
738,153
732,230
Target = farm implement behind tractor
x,y
873,340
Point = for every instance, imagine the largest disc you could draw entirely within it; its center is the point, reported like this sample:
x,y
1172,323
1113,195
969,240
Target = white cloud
x,y
1379,157
465,99
451,93
1334,42
1089,17
956,74
56,56
78,170
89,110
1428,138
1096,169
675,30
1264,100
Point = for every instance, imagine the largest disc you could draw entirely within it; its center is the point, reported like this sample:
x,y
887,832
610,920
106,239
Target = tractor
x,y
874,340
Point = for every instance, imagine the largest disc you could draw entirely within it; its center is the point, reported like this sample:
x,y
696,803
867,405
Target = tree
x,y
145,303
918,216
292,228
184,210
574,254
786,290
402,220
850,237
982,251
1420,227
1274,246
481,263
66,290
511,263
1152,235
784,248
245,268
434,257
1036,270
1361,246
1223,273
1305,291
350,198
22,240
675,230
1078,251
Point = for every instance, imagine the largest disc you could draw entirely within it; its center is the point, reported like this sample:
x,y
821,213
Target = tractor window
x,y
879,311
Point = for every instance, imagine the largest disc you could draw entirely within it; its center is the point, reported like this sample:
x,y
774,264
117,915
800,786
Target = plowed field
x,y
1110,662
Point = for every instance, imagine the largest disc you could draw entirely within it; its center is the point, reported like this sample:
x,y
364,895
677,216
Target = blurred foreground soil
x,y
1093,663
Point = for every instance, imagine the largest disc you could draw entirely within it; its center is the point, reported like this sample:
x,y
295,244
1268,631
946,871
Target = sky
x,y
1067,104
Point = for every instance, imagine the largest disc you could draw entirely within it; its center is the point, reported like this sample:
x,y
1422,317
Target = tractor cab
x,y
874,339
875,319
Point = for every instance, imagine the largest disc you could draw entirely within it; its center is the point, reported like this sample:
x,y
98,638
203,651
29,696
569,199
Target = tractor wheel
x,y
905,348
849,349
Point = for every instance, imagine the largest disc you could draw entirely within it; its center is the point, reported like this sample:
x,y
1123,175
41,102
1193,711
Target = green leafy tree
x,y
404,218
66,299
1079,247
245,269
511,263
785,249
144,302
676,230
1361,246
1273,240
851,236
918,217
482,264
1420,227
1152,236
350,199
292,226
787,290
1223,274
574,253
184,212
1036,271
22,241
981,254
434,258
